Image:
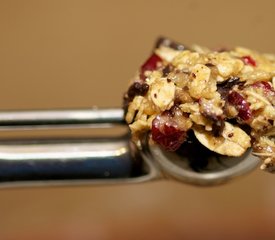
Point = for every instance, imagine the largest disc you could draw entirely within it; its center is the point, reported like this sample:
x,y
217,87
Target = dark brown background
x,y
64,54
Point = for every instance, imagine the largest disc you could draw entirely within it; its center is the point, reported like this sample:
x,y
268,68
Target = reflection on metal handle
x,y
59,118
69,161
66,161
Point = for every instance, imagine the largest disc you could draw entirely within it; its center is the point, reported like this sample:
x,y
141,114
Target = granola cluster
x,y
225,97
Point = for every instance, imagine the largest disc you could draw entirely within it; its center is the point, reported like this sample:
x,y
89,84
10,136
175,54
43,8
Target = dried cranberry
x,y
166,132
151,64
249,61
264,85
241,105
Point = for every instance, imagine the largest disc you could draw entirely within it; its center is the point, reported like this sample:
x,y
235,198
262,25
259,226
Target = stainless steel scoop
x,y
108,160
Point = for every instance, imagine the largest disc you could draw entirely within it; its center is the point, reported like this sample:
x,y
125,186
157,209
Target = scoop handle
x,y
59,118
69,161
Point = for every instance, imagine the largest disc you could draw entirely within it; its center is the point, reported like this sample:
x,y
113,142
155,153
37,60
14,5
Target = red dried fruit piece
x,y
241,105
151,64
267,90
166,132
264,85
249,61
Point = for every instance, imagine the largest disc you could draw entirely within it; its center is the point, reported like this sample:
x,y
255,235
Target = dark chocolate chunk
x,y
137,89
166,42
209,65
227,85
223,49
167,70
217,127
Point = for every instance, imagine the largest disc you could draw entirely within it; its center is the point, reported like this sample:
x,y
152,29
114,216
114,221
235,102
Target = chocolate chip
x,y
230,135
223,49
227,85
209,65
166,42
217,127
167,70
137,89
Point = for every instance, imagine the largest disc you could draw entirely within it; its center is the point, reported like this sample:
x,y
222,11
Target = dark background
x,y
70,54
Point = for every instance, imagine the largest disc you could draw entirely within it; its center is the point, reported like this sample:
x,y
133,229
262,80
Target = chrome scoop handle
x,y
63,118
100,160
69,161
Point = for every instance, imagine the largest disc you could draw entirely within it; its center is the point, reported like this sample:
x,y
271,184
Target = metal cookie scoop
x,y
108,160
